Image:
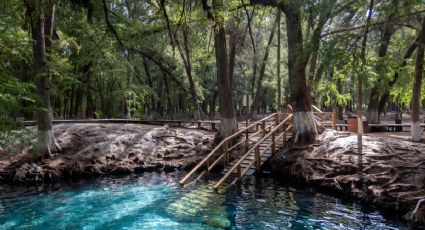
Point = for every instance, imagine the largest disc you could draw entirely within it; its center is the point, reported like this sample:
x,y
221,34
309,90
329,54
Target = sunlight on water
x,y
155,201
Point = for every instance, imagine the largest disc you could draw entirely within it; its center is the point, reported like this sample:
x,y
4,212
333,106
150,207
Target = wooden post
x,y
212,126
226,153
263,127
276,119
246,140
199,125
257,158
322,119
334,120
207,171
273,143
239,172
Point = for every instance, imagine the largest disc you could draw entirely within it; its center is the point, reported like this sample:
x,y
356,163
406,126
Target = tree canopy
x,y
174,59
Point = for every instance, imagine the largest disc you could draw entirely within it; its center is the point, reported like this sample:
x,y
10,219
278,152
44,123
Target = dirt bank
x,y
95,149
391,175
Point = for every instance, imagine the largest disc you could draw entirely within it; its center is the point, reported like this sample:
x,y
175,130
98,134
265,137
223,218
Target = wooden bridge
x,y
244,152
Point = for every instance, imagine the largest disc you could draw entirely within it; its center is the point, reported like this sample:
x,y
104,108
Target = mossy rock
x,y
219,222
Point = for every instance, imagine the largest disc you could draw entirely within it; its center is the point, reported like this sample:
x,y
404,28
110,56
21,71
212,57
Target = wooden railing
x,y
325,119
178,123
274,134
214,157
274,130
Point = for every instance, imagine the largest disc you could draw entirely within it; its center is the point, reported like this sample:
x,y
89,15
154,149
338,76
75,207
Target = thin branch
x,y
168,22
370,24
249,25
125,48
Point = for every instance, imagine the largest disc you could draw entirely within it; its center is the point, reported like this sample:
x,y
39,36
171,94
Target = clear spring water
x,y
142,202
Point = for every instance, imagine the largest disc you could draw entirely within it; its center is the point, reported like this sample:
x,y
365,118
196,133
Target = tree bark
x,y
227,110
279,80
233,41
300,98
300,94
416,94
39,27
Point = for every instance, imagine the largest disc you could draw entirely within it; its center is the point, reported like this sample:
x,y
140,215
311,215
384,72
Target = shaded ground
x,y
94,149
391,174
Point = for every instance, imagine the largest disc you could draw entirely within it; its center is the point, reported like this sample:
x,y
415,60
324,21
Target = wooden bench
x,y
392,127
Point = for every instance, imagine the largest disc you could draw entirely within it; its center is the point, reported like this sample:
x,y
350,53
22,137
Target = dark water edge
x,y
279,204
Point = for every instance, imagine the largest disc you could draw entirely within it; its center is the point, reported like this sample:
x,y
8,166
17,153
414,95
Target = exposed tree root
x,y
391,174
96,149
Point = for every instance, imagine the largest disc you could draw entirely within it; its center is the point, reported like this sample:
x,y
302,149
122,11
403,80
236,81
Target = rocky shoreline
x,y
99,149
390,177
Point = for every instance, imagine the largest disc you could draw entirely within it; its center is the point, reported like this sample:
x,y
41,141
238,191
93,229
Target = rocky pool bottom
x,y
156,201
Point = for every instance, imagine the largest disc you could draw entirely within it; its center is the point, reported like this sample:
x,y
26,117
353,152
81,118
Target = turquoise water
x,y
155,201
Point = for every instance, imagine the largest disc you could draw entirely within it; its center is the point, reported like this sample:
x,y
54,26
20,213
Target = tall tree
x,y
42,20
305,130
258,94
185,54
416,94
279,80
227,110
373,116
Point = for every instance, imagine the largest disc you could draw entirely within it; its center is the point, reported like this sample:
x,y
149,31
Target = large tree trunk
x,y
227,110
39,26
416,94
258,94
233,41
305,127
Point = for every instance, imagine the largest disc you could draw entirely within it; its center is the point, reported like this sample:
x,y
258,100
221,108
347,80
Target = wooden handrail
x,y
260,154
220,146
316,109
235,166
322,120
220,158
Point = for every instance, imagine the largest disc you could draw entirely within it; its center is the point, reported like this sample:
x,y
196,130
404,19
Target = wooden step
x,y
251,157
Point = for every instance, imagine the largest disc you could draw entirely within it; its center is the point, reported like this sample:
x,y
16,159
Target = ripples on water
x,y
141,202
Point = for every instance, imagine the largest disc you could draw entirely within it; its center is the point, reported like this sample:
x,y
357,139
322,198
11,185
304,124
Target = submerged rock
x,y
219,222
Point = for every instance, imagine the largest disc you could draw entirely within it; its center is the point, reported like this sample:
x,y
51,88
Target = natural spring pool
x,y
156,201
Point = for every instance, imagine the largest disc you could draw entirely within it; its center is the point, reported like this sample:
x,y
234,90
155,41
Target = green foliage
x,y
16,91
133,58
329,93
402,90
13,142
